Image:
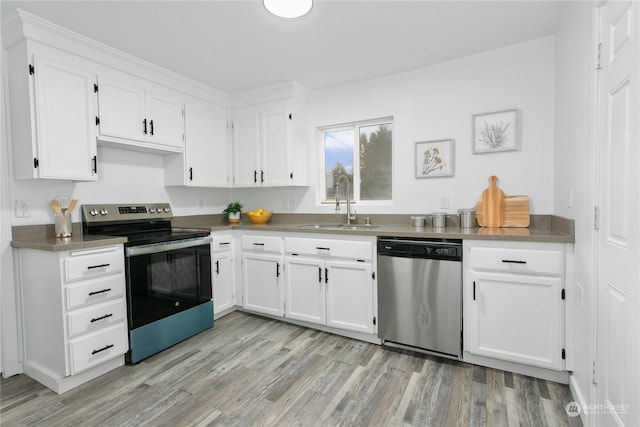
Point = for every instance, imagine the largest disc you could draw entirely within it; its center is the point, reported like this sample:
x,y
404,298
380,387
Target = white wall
x,y
575,173
437,103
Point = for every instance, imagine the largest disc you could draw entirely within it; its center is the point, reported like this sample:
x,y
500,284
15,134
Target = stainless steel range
x,y
168,274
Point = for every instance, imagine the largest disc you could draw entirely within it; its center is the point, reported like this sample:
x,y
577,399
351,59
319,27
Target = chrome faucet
x,y
350,217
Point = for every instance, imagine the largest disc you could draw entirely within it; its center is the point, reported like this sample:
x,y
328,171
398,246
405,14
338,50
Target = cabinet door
x,y
207,147
65,117
350,296
516,318
122,110
305,290
165,122
223,283
275,146
262,284
246,153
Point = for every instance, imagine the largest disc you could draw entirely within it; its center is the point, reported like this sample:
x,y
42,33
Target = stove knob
x,y
167,209
93,212
152,210
103,212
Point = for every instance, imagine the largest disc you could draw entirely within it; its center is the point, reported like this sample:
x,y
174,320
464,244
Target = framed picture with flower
x,y
493,132
434,158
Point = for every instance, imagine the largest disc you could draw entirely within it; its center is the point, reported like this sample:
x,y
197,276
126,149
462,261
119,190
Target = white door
x,y
261,283
122,110
275,147
246,143
350,295
516,318
223,283
618,279
65,116
164,118
207,148
305,289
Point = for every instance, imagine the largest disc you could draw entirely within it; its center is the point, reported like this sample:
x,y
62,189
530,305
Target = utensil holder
x,y
63,226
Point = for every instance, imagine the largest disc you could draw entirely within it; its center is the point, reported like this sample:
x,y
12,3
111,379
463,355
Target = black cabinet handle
x,y
217,267
224,243
91,267
320,274
322,248
101,317
255,176
277,269
94,160
512,261
474,291
190,174
258,244
144,122
99,292
261,176
106,347
151,125
326,275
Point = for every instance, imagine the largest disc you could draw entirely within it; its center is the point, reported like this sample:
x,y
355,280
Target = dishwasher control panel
x,y
414,248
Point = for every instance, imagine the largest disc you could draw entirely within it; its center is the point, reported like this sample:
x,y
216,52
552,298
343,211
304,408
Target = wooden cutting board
x,y
516,212
492,204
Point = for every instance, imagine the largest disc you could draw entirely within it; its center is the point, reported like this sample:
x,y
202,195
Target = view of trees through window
x,y
363,153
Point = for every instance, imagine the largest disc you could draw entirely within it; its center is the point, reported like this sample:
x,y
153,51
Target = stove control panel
x,y
120,212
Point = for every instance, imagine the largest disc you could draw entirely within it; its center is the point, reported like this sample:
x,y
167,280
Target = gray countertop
x,y
543,228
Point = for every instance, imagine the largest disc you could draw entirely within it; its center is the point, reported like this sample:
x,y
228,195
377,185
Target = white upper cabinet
x,y
207,155
139,114
270,139
53,108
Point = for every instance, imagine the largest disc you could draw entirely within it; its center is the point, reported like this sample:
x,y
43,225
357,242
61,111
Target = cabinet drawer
x,y
94,291
222,243
96,263
96,317
262,243
89,351
329,248
539,261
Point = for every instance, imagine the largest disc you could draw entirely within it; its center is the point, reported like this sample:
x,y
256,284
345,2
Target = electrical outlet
x,y
444,202
23,208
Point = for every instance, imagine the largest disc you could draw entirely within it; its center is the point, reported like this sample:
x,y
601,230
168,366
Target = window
x,y
363,153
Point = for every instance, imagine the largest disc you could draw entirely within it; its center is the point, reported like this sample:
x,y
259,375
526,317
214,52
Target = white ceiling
x,y
236,45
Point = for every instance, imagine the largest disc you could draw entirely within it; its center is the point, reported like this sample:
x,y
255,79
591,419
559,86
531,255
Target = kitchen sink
x,y
339,226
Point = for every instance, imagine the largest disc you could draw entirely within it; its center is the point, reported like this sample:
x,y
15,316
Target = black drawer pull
x,y
326,275
99,292
106,347
277,269
225,243
91,267
321,248
512,261
320,274
258,244
217,267
101,317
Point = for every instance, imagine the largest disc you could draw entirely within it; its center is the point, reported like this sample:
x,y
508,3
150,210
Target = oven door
x,y
167,278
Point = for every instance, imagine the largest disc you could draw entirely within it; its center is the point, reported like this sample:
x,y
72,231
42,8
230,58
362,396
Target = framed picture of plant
x,y
434,158
493,132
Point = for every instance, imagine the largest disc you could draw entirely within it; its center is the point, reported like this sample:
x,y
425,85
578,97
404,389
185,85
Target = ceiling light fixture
x,y
288,9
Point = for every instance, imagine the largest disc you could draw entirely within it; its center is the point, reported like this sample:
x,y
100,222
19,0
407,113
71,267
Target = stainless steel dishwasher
x,y
420,295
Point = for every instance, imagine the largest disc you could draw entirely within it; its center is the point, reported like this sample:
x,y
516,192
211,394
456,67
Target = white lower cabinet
x,y
330,288
515,302
74,314
262,268
223,277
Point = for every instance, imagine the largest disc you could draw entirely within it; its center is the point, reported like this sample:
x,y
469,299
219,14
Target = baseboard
x,y
579,398
518,368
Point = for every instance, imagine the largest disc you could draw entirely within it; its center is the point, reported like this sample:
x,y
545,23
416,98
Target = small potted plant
x,y
233,211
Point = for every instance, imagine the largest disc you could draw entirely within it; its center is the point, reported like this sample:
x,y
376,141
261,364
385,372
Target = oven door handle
x,y
168,246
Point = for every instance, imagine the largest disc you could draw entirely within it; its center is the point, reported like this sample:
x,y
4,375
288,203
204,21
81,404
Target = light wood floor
x,y
248,370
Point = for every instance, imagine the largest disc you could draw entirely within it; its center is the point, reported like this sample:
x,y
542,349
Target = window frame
x,y
355,128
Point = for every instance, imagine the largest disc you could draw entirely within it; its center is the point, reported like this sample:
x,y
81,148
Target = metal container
x,y
416,221
467,218
438,219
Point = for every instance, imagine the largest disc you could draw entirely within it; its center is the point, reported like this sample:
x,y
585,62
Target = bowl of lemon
x,y
259,216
